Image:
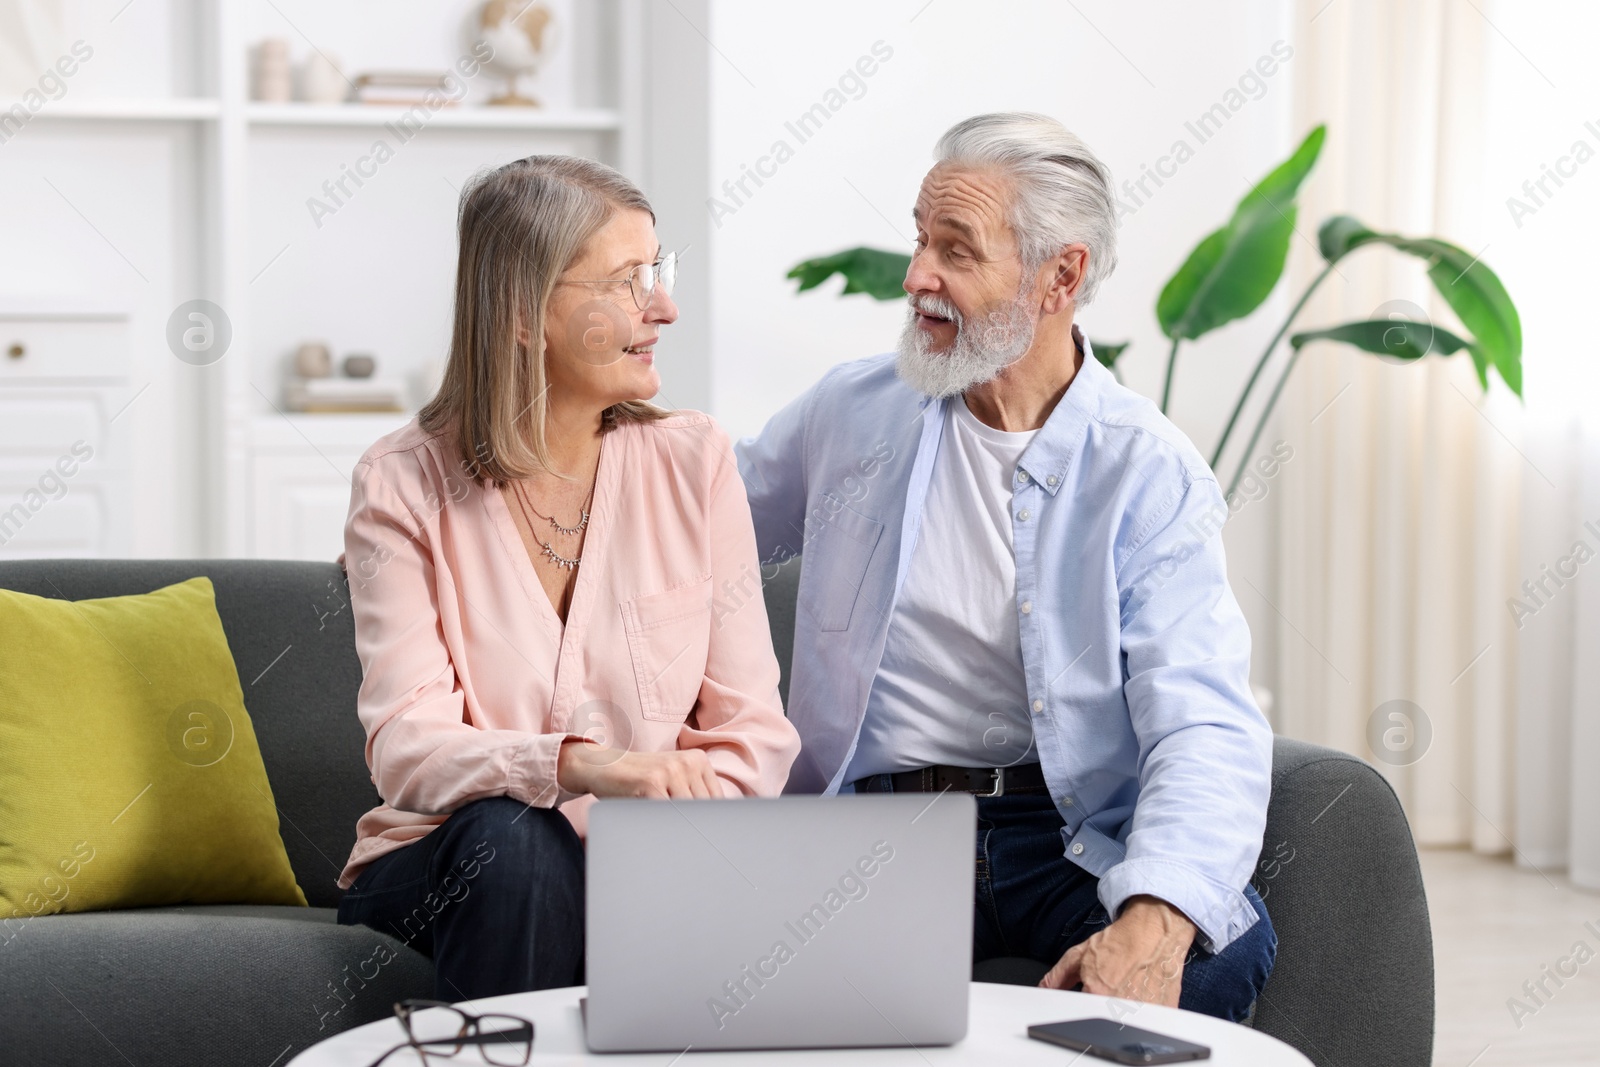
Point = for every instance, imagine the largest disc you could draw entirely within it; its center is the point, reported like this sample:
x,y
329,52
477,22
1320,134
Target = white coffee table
x,y
997,1033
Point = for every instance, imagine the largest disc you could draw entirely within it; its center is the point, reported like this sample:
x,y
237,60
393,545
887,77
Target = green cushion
x,y
129,771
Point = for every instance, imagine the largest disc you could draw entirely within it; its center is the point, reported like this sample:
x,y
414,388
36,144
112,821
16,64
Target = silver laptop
x,y
795,922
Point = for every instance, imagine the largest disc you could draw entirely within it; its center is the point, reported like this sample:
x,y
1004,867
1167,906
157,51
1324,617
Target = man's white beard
x,y
983,347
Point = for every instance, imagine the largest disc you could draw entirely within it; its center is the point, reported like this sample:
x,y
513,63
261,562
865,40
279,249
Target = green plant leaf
x,y
1341,234
873,271
1107,353
1234,269
1399,338
1479,299
1473,291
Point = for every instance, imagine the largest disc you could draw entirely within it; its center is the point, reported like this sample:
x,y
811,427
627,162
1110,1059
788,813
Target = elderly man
x,y
1013,585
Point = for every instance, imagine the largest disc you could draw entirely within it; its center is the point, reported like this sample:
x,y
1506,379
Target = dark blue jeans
x,y
494,895
1033,902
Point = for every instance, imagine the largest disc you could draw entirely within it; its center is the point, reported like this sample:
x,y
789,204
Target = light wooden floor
x,y
1496,926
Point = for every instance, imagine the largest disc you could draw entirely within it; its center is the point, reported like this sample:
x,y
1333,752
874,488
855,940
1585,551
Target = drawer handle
x,y
16,351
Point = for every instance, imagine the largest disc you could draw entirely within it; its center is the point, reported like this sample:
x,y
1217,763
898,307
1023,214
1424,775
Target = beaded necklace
x,y
549,552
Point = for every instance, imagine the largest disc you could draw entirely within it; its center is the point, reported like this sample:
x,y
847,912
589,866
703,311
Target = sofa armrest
x,y
1353,981
195,986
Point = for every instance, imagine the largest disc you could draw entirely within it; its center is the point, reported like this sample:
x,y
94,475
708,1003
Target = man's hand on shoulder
x,y
1138,957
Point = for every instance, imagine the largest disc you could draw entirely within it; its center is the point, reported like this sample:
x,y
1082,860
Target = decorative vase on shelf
x,y
313,360
274,76
519,36
321,80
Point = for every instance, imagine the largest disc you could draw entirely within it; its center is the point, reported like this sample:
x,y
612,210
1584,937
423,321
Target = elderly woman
x,y
533,566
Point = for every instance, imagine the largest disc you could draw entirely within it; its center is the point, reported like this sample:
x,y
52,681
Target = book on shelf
x,y
404,88
345,394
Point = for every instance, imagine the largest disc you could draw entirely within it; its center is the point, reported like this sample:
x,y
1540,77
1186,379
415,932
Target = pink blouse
x,y
469,679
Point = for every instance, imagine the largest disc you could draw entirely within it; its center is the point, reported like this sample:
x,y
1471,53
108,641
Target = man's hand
x,y
1138,957
584,767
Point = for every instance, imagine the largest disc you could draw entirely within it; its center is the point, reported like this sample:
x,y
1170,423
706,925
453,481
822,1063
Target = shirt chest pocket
x,y
841,551
669,637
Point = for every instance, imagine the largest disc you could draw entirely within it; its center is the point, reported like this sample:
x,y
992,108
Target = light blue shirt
x,y
1135,654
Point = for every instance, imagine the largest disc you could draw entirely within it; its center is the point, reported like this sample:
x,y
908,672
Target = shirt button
x,y
1066,802
1022,515
1077,849
1027,607
1022,476
1038,705
1052,480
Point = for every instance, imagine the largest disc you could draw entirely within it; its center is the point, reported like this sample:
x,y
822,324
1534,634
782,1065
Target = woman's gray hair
x,y
1061,192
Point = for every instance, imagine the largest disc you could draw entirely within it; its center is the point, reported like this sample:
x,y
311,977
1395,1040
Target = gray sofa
x,y
252,986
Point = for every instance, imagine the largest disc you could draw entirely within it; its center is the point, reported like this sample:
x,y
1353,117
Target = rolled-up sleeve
x,y
423,755
738,719
1205,749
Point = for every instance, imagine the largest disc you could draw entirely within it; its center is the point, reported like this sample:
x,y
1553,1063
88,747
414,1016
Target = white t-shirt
x,y
950,688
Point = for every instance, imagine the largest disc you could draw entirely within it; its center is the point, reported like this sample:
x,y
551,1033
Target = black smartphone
x,y
1118,1042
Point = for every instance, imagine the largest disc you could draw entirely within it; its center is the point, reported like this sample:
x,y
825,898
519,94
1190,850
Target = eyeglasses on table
x,y
437,1030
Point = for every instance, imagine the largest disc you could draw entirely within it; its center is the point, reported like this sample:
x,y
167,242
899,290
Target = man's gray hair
x,y
1061,192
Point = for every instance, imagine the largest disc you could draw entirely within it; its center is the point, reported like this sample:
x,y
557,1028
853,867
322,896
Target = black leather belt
x,y
1024,779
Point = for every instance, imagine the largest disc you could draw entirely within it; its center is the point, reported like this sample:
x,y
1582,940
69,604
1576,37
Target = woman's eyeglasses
x,y
643,280
436,1028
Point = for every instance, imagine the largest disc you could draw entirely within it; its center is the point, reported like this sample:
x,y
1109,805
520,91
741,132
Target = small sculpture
x,y
518,36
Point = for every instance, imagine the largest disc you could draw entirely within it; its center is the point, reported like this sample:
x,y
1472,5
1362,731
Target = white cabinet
x,y
40,422
63,345
45,518
300,478
65,463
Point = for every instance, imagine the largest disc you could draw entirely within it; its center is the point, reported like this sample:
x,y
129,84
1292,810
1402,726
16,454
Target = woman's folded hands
x,y
585,767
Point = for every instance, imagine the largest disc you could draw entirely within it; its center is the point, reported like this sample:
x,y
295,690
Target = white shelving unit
x,y
134,110
596,120
253,163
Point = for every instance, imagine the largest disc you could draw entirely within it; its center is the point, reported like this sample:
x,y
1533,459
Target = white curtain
x,y
1419,505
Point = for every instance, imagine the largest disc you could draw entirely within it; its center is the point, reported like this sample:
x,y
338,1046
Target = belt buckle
x,y
999,776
